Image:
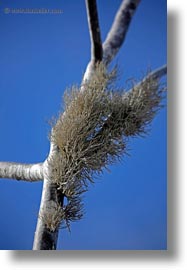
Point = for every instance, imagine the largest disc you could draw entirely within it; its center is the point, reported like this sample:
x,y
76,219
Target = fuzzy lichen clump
x,y
93,131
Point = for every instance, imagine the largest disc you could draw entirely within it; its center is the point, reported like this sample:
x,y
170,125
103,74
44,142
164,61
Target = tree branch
x,y
21,171
120,26
45,237
46,233
115,37
155,74
95,37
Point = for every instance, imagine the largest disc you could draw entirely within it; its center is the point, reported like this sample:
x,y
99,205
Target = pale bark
x,y
111,46
155,74
115,37
118,31
21,171
44,238
48,189
43,234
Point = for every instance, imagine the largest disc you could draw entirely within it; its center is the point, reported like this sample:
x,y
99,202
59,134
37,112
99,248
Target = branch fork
x,y
46,234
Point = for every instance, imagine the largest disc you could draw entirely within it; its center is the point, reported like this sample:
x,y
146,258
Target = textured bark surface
x,y
45,238
21,171
111,46
118,31
116,35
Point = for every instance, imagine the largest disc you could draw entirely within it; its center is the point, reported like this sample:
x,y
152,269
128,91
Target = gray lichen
x,y
94,130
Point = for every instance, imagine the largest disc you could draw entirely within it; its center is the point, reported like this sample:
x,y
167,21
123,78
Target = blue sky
x,y
42,54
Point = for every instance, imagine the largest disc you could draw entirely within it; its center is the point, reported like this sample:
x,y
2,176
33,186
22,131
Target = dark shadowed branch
x,y
94,29
115,37
95,38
